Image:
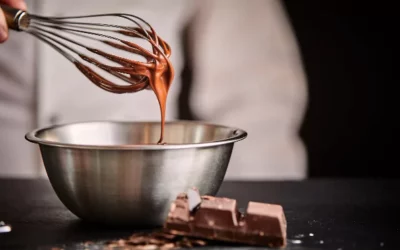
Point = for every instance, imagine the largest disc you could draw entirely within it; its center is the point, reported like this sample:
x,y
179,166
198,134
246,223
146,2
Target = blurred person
x,y
247,73
17,102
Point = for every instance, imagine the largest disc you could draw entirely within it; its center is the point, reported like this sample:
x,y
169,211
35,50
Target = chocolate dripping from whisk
x,y
161,75
157,72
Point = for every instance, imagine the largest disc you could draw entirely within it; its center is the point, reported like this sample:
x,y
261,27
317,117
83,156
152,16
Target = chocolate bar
x,y
218,219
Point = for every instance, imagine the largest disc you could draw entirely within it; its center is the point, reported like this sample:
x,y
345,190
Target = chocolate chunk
x,y
179,215
265,219
164,236
194,199
218,219
199,242
218,213
168,246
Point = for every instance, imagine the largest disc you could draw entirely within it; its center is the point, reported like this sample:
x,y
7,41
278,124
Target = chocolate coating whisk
x,y
62,34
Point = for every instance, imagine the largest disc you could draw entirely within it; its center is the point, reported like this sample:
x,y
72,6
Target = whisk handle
x,y
16,19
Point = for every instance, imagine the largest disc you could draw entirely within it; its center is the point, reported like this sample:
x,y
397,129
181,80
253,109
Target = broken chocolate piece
x,y
219,213
218,219
194,199
266,219
179,214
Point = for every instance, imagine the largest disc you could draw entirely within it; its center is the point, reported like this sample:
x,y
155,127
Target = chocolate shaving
x,y
155,240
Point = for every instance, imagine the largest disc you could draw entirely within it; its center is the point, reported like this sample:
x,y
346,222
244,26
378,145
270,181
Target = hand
x,y
19,4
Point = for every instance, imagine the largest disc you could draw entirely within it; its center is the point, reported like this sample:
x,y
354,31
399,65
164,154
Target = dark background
x,y
349,54
348,50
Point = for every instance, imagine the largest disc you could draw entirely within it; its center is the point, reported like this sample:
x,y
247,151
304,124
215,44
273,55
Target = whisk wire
x,y
45,39
56,19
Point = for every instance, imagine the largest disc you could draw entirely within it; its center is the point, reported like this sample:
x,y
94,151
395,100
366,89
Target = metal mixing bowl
x,y
115,173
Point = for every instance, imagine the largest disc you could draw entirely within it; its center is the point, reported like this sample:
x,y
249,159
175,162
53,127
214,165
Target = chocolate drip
x,y
156,72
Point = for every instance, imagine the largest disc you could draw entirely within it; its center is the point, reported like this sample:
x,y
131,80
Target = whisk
x,y
67,35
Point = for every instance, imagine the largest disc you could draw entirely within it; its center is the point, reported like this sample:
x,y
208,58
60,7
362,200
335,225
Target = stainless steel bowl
x,y
115,173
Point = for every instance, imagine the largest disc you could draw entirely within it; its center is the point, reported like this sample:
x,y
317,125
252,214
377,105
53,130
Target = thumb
x,y
3,27
19,4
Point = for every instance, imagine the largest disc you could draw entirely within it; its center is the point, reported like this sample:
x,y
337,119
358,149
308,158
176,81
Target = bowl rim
x,y
239,134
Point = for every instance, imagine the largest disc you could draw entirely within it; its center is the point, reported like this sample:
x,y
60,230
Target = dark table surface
x,y
338,214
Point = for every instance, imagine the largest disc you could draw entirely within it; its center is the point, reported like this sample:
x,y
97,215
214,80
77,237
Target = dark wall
x,y
349,53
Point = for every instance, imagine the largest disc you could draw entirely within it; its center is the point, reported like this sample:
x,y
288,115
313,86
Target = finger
x,y
19,4
3,27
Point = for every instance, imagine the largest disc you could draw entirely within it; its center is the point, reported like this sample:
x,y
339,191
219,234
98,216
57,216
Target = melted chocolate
x,y
157,72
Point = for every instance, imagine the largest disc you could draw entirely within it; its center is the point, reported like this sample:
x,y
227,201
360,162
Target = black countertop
x,y
321,214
